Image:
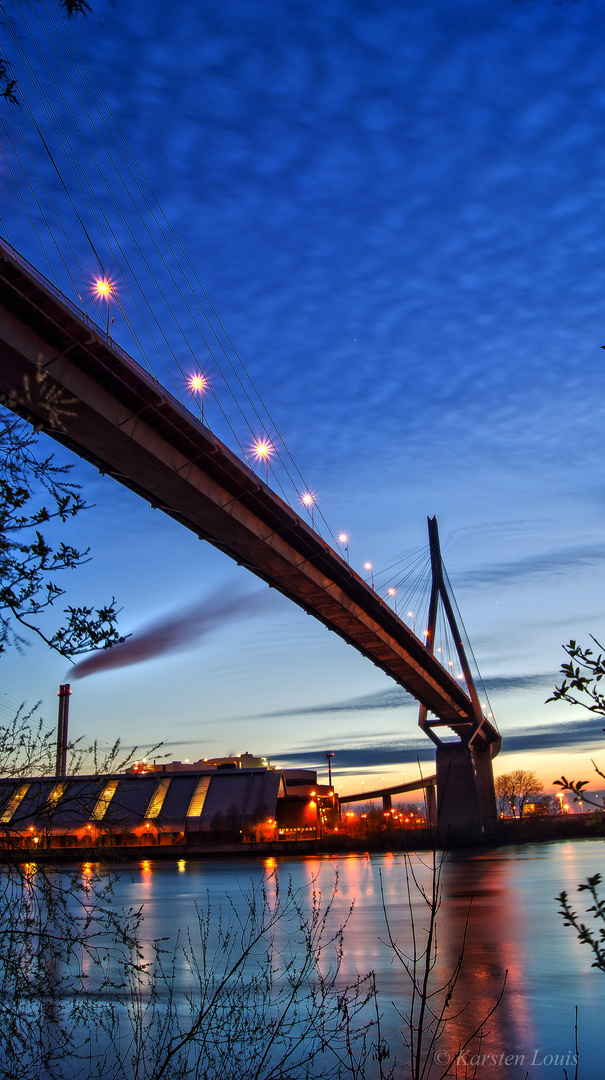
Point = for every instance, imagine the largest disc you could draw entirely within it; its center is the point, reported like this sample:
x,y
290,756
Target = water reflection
x,y
513,926
479,890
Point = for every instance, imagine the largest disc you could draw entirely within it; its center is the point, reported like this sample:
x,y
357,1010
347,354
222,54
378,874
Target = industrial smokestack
x,y
64,694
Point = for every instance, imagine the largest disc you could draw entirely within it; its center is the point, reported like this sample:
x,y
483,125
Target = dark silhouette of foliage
x,y
583,674
581,686
8,83
37,492
594,937
516,788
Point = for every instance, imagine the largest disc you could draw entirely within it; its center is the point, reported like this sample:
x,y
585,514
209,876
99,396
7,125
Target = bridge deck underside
x,y
58,371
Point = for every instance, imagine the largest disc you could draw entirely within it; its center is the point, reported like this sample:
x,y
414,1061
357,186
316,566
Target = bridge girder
x,y
60,372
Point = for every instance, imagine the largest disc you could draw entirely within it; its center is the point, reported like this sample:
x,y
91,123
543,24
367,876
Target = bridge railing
x,y
10,253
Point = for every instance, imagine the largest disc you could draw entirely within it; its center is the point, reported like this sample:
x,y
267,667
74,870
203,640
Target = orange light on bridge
x,y
262,450
368,566
104,288
308,500
197,383
344,540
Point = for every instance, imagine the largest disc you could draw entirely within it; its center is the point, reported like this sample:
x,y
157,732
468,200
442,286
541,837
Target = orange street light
x,y
368,566
393,593
344,540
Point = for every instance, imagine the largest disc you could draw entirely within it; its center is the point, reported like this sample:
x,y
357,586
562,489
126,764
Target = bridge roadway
x,y
59,371
399,789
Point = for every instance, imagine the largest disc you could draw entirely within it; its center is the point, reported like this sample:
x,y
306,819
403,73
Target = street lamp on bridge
x,y
198,384
308,501
262,450
344,540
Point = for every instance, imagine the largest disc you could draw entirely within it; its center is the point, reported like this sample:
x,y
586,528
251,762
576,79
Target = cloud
x,y
397,698
504,683
535,567
393,698
558,735
573,735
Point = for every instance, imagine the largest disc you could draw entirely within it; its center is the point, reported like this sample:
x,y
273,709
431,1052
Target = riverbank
x,y
524,831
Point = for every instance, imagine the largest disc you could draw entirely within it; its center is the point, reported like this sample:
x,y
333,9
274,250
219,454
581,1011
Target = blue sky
x,y
397,211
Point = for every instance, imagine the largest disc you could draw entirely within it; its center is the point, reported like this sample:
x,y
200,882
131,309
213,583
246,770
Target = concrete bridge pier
x,y
387,803
466,802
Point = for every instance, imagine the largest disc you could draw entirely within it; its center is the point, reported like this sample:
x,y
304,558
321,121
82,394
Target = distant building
x,y
222,799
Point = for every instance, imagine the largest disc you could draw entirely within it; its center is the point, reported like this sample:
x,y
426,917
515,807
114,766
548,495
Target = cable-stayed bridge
x,y
67,377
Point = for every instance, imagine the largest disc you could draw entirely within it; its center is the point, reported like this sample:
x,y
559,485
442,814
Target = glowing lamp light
x,y
307,499
262,450
343,539
197,383
104,288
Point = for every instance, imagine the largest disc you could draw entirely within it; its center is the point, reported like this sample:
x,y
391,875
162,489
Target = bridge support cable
x,y
466,799
94,399
480,730
94,131
60,372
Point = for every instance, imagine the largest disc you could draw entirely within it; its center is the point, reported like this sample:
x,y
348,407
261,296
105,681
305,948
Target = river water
x,y
513,926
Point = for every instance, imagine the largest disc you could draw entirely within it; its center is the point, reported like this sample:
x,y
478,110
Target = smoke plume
x,y
176,631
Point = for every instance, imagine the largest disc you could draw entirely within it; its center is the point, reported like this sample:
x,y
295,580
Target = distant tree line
x,y
515,789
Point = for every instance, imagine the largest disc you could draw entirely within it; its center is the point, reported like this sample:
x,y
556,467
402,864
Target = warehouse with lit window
x,y
222,800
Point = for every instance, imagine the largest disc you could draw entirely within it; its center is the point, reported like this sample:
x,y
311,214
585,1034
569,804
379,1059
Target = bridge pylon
x,y
466,800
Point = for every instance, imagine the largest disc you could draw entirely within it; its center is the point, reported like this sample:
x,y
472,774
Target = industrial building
x,y
222,800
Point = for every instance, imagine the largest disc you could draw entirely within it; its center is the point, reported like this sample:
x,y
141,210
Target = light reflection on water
x,y
513,926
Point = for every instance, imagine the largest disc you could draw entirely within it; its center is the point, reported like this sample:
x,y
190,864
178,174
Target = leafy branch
x,y
583,673
587,936
8,83
35,491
